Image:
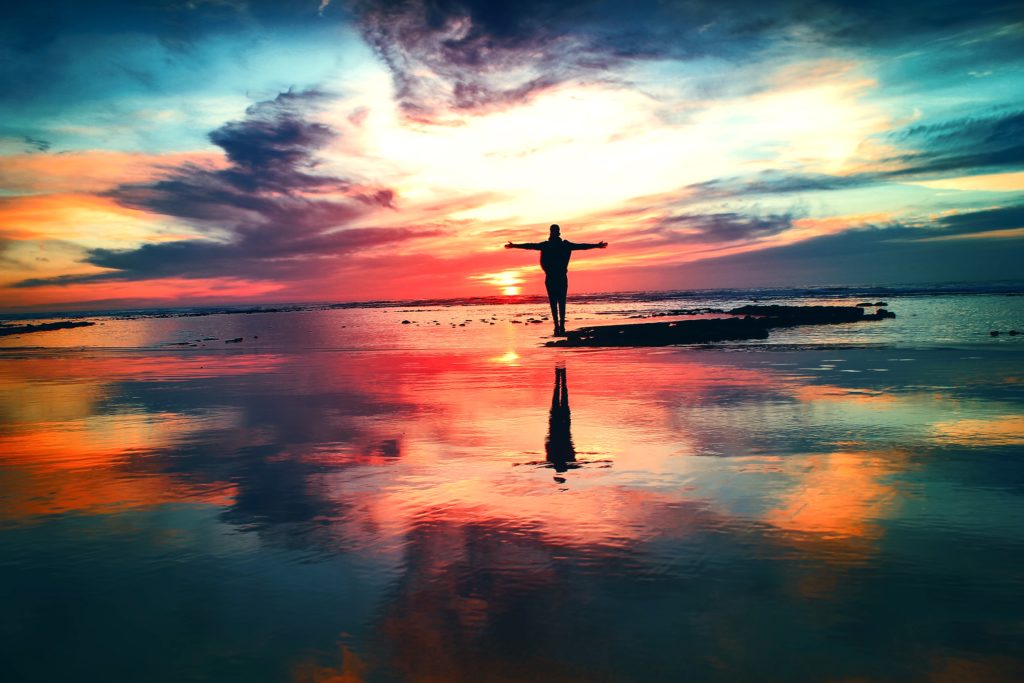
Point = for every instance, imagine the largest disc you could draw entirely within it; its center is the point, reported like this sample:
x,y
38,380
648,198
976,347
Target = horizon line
x,y
950,287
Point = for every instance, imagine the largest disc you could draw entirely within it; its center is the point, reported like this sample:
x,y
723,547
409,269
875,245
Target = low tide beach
x,y
428,493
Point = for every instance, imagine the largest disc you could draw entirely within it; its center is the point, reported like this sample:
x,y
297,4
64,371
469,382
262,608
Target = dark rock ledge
x,y
755,323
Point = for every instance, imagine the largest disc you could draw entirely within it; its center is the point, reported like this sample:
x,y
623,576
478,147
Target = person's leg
x,y
563,397
552,288
563,292
556,394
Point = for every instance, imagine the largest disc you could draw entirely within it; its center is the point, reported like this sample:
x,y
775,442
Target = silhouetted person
x,y
554,259
559,446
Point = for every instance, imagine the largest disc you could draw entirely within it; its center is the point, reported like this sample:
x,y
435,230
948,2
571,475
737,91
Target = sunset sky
x,y
201,152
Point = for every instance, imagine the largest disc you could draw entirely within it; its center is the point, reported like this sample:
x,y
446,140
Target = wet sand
x,y
471,506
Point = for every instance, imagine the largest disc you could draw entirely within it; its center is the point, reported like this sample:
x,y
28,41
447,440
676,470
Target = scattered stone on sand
x,y
405,322
236,340
994,333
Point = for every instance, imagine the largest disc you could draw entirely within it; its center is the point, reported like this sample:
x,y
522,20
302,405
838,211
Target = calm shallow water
x,y
923,321
474,507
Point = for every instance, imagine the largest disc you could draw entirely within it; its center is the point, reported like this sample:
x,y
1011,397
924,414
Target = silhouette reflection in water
x,y
559,447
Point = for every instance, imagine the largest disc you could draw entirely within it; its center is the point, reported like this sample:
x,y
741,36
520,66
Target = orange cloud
x,y
89,171
87,219
152,292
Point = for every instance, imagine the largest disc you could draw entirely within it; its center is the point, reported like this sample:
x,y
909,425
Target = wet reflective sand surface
x,y
512,513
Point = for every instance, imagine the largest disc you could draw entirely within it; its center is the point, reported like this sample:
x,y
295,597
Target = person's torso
x,y
554,256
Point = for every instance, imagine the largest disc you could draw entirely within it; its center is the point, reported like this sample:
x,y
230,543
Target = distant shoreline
x,y
832,292
9,330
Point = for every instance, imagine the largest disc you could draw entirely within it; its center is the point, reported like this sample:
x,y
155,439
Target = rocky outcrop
x,y
782,316
755,323
666,334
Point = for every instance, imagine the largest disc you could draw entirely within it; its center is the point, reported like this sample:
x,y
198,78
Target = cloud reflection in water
x,y
750,507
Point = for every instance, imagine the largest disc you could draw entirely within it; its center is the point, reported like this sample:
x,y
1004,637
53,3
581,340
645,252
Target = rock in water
x,y
666,334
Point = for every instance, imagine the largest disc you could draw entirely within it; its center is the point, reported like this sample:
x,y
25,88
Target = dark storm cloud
x,y
269,187
453,53
273,153
777,182
962,145
467,54
268,212
471,54
1003,218
252,257
719,227
897,252
36,144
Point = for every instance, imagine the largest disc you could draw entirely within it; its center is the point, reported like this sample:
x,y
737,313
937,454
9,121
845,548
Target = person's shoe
x,y
560,332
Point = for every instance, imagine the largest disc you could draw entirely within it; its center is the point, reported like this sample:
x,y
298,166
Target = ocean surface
x,y
425,492
926,318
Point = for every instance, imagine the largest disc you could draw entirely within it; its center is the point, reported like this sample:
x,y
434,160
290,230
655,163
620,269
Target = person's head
x,y
556,232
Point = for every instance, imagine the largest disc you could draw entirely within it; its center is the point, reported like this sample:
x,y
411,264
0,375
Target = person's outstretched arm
x,y
584,245
525,245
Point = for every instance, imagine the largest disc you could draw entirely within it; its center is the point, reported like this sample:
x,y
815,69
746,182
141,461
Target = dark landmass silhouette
x,y
756,322
7,330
